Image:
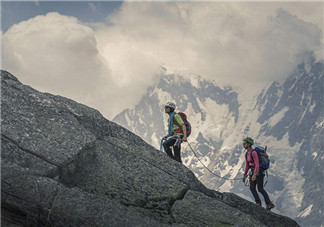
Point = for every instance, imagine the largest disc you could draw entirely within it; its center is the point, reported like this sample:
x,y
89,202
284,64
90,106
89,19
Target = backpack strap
x,y
250,155
170,123
175,121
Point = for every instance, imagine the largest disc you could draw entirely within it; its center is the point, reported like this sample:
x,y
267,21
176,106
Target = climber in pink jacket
x,y
252,162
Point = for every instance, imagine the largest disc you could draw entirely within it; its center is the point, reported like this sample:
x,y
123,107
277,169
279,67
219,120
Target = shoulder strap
x,y
252,155
170,123
175,120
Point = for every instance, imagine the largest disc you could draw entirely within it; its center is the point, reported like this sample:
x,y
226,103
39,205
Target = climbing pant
x,y
171,142
259,182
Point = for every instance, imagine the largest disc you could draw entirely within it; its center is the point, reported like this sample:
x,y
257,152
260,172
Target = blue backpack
x,y
264,160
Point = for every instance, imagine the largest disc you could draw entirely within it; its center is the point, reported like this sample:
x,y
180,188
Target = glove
x,y
244,179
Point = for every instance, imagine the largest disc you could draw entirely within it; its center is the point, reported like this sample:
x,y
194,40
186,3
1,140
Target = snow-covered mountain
x,y
286,117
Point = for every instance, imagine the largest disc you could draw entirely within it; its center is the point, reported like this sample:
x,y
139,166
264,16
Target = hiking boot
x,y
259,204
270,206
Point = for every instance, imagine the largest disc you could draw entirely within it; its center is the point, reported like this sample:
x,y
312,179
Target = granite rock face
x,y
64,164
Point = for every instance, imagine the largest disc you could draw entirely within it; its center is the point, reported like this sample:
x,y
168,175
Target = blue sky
x,y
92,12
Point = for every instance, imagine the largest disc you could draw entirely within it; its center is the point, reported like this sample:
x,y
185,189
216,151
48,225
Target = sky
x,y
106,54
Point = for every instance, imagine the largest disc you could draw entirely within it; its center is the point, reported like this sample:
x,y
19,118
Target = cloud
x,y
286,40
221,41
110,65
57,54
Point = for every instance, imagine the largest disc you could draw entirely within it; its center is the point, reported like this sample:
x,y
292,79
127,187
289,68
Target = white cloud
x,y
228,42
110,65
56,54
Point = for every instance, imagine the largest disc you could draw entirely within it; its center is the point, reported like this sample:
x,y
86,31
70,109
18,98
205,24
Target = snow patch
x,y
218,120
155,140
277,117
128,120
302,99
234,174
163,97
311,107
306,211
314,155
195,81
150,110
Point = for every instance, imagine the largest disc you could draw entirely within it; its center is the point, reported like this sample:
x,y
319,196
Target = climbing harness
x,y
249,175
247,178
177,143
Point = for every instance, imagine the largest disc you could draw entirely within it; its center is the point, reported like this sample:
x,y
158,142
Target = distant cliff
x,y
64,164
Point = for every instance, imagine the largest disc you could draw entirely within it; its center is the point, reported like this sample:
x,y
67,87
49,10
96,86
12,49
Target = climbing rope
x,y
177,138
225,178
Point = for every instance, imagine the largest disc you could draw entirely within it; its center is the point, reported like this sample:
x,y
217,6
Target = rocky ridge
x,y
64,164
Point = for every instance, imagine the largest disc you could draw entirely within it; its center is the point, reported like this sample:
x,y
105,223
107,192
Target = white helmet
x,y
171,105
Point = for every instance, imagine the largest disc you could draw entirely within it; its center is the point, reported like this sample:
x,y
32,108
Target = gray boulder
x,y
64,164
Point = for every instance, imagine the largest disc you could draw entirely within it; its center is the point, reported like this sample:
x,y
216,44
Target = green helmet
x,y
249,140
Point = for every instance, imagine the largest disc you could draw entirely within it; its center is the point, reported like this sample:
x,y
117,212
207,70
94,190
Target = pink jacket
x,y
249,162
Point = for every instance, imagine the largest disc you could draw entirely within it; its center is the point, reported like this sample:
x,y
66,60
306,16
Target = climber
x,y
252,162
176,133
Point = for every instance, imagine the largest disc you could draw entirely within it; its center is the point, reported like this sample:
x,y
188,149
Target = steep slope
x,y
63,164
287,117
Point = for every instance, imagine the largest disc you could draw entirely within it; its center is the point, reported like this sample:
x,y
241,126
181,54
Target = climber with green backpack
x,y
256,161
178,130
